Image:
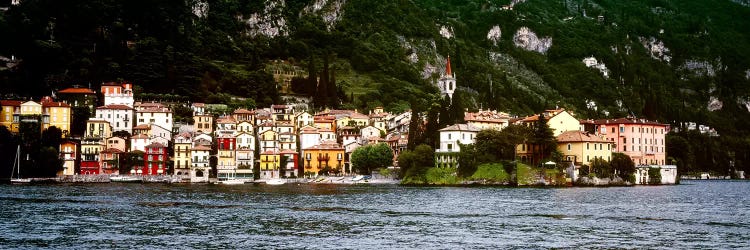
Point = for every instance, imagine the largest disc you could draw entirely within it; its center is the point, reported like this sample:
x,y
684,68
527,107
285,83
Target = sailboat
x,y
17,168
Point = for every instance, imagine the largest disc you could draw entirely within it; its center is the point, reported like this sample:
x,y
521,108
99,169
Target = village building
x,y
155,159
581,147
110,161
487,119
451,138
641,140
200,163
120,117
326,156
10,112
227,161
78,97
118,94
158,116
69,155
269,164
183,144
203,123
559,120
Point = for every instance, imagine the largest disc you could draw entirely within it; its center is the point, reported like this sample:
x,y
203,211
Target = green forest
x,y
666,60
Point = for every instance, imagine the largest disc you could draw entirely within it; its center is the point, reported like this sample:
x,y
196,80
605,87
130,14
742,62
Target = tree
x,y
654,176
48,162
370,157
129,160
543,140
623,166
80,115
51,137
601,168
414,163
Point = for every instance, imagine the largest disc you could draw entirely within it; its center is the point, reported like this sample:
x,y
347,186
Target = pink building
x,y
642,140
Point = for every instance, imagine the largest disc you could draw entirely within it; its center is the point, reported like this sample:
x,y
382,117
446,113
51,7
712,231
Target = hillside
x,y
665,60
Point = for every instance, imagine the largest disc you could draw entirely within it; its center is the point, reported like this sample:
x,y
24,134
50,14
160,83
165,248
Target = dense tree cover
x,y
414,163
367,158
492,146
39,151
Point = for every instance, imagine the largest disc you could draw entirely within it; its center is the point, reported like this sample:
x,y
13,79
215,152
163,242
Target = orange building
x,y
326,154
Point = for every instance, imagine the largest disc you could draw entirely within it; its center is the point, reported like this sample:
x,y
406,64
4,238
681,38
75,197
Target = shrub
x,y
494,172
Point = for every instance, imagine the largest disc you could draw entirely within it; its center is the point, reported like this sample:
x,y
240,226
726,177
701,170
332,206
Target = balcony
x,y
323,158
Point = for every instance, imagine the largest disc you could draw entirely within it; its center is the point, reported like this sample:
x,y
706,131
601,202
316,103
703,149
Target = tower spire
x,y
448,67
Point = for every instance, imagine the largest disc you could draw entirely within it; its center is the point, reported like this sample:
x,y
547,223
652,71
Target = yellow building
x,y
269,164
98,129
31,108
581,147
9,111
558,120
326,154
182,157
203,123
56,114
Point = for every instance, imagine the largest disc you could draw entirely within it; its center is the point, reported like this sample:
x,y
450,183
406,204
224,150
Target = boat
x,y
358,178
17,168
124,178
232,182
275,182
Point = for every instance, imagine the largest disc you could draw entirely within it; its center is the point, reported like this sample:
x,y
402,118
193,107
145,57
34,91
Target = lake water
x,y
696,214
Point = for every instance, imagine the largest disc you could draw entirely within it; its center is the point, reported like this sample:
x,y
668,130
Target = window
x,y
587,146
624,140
449,136
450,147
569,146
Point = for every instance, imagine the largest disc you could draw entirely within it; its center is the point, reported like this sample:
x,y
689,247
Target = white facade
x,y
668,174
309,137
451,136
139,143
118,95
399,123
245,141
369,131
304,119
200,166
120,117
161,117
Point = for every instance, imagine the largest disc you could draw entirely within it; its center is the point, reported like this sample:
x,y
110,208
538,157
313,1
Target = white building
x,y
200,166
304,119
369,132
399,122
245,141
118,94
119,116
139,142
159,116
668,174
450,139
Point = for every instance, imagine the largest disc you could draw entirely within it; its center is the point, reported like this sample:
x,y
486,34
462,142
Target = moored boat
x,y
275,182
232,182
124,178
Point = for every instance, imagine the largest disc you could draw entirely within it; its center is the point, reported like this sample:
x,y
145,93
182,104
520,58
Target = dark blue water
x,y
696,214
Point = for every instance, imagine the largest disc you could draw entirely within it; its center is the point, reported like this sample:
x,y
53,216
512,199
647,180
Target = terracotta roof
x,y
139,136
226,119
155,145
115,106
243,111
279,106
579,136
10,103
308,130
326,145
288,151
142,126
628,121
112,151
200,148
55,104
76,91
155,110
198,104
270,152
461,127
486,116
92,120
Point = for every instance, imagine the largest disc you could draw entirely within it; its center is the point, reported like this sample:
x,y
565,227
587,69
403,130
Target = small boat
x,y
275,182
124,178
232,182
17,167
358,178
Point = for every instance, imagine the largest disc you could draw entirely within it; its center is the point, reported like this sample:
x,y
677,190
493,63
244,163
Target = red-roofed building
x,y
110,160
120,117
10,111
78,97
642,140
